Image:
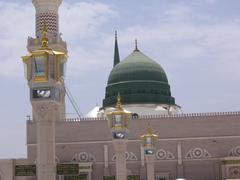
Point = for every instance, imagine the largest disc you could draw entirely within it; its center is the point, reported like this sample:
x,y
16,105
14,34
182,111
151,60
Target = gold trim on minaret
x,y
44,37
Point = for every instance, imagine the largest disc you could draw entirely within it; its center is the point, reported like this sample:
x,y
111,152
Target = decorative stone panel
x,y
234,152
162,154
130,156
198,153
83,157
50,19
234,171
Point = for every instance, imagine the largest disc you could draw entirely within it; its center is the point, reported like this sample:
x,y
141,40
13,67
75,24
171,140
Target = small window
x,y
41,93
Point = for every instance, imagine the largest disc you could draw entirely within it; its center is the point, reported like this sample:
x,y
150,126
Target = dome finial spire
x,y
115,34
116,51
136,45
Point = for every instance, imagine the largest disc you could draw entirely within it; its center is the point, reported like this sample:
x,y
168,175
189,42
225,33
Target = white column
x,y
179,151
179,165
46,151
150,166
106,156
90,175
120,147
142,156
45,114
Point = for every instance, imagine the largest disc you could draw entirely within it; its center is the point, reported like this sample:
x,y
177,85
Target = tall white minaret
x,y
45,65
47,13
45,76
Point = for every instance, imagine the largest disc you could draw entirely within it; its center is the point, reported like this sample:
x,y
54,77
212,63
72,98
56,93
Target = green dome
x,y
139,80
137,66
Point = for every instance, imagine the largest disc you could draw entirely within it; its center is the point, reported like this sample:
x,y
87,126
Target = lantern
x,y
149,141
118,120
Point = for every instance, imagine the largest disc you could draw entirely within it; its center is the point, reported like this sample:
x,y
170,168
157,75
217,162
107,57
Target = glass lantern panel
x,y
25,70
118,120
62,69
149,141
40,66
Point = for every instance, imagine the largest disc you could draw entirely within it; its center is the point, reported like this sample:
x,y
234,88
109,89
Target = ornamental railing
x,y
188,115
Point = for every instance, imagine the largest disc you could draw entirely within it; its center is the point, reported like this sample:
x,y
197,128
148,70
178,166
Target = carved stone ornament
x,y
234,152
198,153
43,111
234,171
130,156
162,154
83,157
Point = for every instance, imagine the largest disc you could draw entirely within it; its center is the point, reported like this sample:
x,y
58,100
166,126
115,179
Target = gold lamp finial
x,y
44,36
149,129
118,104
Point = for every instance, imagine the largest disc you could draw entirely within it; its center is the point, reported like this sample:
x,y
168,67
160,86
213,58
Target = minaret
x,y
47,13
116,52
44,73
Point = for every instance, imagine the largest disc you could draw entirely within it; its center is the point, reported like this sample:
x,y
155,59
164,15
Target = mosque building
x,y
139,132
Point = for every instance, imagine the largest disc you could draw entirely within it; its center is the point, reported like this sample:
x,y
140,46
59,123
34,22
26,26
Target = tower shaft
x,y
45,114
45,65
47,14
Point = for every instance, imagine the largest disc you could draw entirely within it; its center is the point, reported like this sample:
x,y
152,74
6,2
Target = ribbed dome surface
x,y
139,80
137,66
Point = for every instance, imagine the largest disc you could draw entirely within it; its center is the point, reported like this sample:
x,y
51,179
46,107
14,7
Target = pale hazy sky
x,y
197,42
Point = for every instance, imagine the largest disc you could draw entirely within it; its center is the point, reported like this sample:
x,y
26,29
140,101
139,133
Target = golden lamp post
x,y
149,143
118,121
